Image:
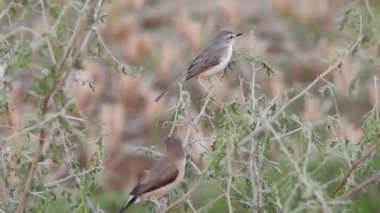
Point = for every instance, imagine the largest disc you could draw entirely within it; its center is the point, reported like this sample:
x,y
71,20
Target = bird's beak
x,y
238,34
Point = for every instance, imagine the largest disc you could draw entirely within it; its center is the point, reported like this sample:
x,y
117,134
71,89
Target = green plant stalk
x,y
58,81
229,181
176,113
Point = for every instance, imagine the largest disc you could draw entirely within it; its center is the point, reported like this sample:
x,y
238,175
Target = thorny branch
x,y
88,10
353,167
366,182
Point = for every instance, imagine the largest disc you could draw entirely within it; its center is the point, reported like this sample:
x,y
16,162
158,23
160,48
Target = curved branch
x,y
366,182
353,167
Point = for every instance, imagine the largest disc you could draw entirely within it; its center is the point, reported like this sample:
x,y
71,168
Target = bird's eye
x,y
230,37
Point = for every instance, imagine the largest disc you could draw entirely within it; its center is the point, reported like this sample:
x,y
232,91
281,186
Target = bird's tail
x,y
130,202
170,87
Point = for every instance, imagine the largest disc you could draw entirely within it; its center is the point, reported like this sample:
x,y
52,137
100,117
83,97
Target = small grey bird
x,y
211,60
164,176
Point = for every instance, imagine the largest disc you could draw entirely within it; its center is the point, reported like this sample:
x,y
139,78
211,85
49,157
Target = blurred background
x,y
137,48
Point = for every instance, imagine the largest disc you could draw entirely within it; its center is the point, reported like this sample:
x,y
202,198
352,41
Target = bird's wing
x,y
160,175
204,61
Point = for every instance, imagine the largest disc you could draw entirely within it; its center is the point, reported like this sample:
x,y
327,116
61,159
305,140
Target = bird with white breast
x,y
212,60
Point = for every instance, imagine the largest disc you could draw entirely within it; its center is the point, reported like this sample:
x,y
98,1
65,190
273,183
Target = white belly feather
x,y
220,67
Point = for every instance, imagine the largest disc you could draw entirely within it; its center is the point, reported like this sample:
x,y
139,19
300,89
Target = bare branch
x,y
366,182
353,167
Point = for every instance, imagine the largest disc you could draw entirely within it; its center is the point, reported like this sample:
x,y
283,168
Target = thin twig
x,y
101,41
47,119
15,31
229,181
175,120
47,27
376,105
48,184
353,167
196,120
188,202
212,202
369,9
366,182
256,152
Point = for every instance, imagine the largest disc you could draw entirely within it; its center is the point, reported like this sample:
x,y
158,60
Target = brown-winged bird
x,y
165,175
213,59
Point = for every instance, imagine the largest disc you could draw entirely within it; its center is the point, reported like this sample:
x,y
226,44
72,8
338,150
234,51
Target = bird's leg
x,y
203,85
207,89
213,96
210,88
